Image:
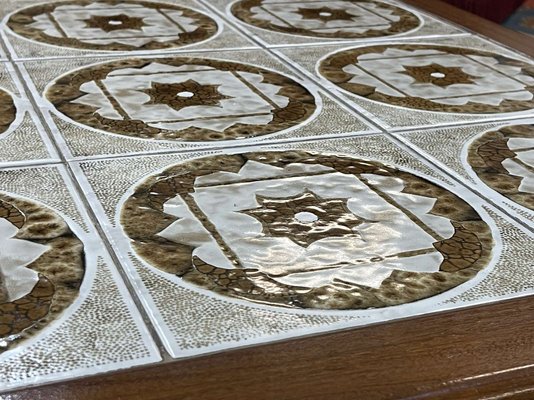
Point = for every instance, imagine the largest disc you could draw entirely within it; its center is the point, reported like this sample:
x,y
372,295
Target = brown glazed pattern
x,y
407,21
486,154
332,69
8,111
66,89
19,23
142,217
61,270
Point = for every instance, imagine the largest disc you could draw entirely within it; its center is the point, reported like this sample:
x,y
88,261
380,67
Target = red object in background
x,y
494,10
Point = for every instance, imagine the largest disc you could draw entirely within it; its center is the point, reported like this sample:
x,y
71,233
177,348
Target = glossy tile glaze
x,y
503,159
279,23
64,311
304,230
326,19
190,99
82,28
43,266
403,85
433,78
183,177
112,25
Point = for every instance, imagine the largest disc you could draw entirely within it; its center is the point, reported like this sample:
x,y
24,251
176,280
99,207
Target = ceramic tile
x,y
22,137
495,158
285,22
178,180
64,311
84,28
179,103
315,235
430,83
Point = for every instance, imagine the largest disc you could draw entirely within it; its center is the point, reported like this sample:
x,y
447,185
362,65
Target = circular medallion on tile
x,y
112,25
504,160
433,78
41,267
327,19
189,99
8,111
305,230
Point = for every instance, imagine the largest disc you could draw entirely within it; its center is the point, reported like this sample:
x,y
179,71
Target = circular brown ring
x,y
301,104
332,69
19,22
489,169
406,23
142,218
61,269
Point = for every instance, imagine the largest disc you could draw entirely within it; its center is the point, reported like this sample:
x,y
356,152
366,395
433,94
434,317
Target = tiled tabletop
x,y
184,177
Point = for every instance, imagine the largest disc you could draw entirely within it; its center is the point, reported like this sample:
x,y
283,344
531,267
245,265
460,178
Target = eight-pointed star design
x,y
329,217
325,14
184,94
439,75
109,23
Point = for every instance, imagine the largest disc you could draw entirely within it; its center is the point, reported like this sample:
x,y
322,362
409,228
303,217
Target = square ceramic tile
x,y
102,107
64,310
289,22
84,28
22,137
496,159
253,244
423,83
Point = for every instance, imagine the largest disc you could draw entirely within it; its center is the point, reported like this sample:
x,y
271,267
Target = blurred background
x,y
517,15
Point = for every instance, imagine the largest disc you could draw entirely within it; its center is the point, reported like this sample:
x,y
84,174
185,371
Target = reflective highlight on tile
x,y
304,230
327,19
190,99
41,268
112,25
433,78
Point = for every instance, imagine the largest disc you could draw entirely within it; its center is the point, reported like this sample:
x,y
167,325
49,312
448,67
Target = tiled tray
x,y
184,177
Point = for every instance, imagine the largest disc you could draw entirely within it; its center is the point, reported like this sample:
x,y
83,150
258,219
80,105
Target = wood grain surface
x,y
474,353
484,352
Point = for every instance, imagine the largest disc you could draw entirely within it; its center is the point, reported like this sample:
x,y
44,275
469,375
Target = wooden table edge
x,y
481,352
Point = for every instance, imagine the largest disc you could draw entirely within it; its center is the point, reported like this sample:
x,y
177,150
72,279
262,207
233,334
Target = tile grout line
x,y
383,129
92,216
163,152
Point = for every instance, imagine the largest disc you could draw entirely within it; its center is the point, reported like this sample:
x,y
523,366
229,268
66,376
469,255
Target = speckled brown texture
x,y
61,270
332,69
465,253
406,22
66,89
19,23
486,154
8,111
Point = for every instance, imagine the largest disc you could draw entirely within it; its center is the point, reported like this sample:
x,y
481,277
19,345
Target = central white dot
x,y
325,14
437,75
185,94
306,217
115,22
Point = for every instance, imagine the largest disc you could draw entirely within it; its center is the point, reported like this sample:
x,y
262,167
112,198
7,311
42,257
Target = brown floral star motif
x,y
184,94
111,23
325,14
305,218
439,75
